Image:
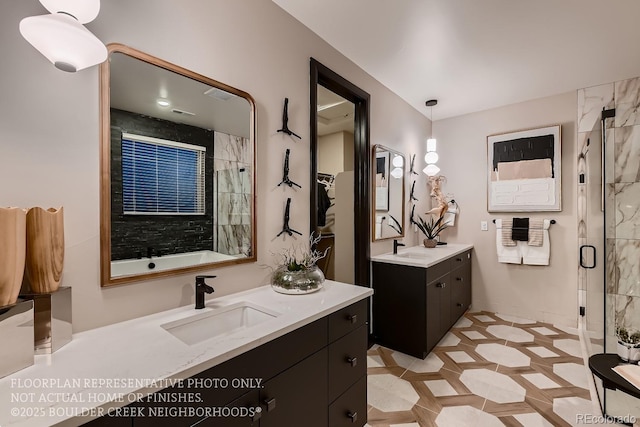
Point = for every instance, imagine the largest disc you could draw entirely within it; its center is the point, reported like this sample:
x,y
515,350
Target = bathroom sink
x,y
415,255
218,322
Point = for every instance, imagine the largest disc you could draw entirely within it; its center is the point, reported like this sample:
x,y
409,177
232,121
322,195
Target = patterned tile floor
x,y
489,370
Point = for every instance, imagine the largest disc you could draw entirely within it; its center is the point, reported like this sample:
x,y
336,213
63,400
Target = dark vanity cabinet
x,y
414,307
314,376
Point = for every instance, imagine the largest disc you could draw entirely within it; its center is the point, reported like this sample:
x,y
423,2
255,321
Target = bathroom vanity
x,y
302,364
419,294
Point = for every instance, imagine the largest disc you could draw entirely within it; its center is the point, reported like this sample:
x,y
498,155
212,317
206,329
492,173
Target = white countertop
x,y
419,256
142,351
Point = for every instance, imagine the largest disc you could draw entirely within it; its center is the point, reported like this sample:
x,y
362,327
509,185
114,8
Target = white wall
x,y
49,133
546,293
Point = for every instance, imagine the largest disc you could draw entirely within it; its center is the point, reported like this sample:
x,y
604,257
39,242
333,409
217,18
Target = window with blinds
x,y
162,177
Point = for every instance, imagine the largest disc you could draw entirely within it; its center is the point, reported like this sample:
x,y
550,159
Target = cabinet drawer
x,y
350,409
460,291
347,361
460,259
348,319
438,270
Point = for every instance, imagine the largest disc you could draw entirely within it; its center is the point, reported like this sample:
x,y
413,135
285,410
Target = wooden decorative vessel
x,y
45,249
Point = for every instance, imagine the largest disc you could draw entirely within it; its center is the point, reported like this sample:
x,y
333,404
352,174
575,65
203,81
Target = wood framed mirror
x,y
177,181
387,208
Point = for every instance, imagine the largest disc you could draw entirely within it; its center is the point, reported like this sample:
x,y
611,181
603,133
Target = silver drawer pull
x,y
441,285
353,318
459,279
353,361
353,416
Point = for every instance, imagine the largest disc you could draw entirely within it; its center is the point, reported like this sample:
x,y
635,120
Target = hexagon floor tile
x,y
490,370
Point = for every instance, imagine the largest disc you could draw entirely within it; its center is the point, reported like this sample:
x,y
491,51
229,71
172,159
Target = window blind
x,y
161,176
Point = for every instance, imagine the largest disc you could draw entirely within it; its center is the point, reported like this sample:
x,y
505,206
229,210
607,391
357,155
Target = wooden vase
x,y
45,249
12,253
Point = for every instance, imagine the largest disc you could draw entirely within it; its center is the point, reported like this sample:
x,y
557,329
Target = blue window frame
x,y
162,177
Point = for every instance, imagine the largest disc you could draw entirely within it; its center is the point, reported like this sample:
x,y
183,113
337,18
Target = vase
x,y
12,253
45,249
297,282
624,351
430,243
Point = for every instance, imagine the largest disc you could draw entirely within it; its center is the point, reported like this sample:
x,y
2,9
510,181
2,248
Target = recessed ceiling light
x,y
163,102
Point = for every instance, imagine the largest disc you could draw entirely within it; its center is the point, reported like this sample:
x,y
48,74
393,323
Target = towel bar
x,y
553,221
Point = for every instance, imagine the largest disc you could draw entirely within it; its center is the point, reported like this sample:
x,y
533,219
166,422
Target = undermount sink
x,y
417,255
218,322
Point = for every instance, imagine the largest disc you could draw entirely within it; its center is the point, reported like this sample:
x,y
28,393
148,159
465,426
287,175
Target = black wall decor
x,y
131,235
285,120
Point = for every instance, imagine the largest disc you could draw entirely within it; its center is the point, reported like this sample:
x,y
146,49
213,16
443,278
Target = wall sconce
x,y
431,158
62,38
397,163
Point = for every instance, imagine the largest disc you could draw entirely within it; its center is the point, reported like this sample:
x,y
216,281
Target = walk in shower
x,y
609,223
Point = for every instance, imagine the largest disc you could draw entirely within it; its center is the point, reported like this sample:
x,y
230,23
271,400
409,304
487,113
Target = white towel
x,y
506,254
537,255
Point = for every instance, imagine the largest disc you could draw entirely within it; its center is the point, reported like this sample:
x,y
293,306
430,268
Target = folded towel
x,y
535,232
505,229
520,229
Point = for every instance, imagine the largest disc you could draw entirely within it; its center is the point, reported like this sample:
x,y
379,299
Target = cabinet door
x,y
438,310
298,396
460,291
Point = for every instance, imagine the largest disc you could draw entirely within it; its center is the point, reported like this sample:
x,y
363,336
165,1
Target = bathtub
x,y
127,267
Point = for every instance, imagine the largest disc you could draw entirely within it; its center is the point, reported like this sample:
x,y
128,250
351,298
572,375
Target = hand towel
x,y
535,232
520,229
505,230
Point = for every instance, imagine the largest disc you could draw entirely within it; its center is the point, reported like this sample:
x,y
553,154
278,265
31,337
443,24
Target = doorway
x,y
326,88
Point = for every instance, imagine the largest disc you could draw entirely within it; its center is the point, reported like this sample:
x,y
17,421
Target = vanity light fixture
x,y
431,158
61,36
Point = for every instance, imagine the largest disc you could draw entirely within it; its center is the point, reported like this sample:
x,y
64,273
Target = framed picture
x,y
524,171
382,181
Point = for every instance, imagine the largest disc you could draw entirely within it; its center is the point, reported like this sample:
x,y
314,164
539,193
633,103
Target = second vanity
x,y
304,364
419,294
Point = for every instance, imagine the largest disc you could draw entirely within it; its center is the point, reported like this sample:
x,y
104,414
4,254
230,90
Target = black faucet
x,y
395,246
149,251
201,289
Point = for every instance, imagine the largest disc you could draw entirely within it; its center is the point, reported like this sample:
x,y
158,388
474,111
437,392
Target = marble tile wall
x,y
233,181
622,194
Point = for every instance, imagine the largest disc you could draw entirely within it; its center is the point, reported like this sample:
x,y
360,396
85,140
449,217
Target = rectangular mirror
x,y
177,170
388,193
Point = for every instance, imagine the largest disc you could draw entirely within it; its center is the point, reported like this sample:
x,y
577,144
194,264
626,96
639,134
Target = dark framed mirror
x,y
177,170
321,79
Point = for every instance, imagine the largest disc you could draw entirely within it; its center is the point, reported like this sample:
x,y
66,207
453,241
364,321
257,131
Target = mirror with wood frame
x,y
388,171
177,190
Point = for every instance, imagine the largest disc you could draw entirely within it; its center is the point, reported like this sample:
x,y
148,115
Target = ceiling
x,y
335,113
474,55
137,86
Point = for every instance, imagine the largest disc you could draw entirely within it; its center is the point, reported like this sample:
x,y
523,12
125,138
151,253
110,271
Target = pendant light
x,y
431,158
61,36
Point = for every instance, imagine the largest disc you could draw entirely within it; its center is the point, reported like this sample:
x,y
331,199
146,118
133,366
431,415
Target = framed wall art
x,y
524,171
